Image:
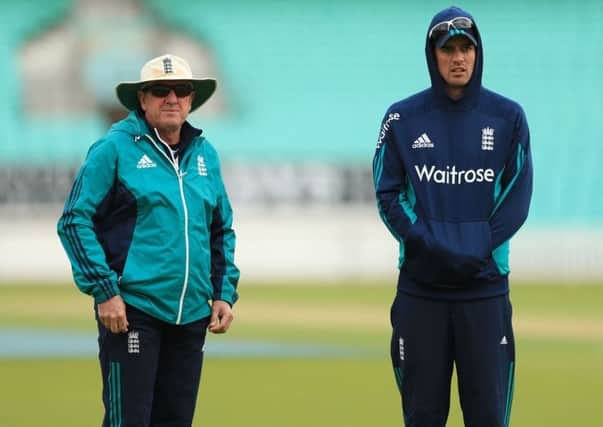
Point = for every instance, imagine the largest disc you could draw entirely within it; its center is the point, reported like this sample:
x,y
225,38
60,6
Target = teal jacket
x,y
150,226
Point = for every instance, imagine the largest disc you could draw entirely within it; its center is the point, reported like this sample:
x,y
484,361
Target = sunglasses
x,y
460,23
161,90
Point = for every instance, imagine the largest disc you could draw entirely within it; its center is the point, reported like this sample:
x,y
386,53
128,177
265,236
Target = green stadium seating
x,y
310,81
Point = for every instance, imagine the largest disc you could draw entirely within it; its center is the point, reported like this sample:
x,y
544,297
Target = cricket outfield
x,y
288,380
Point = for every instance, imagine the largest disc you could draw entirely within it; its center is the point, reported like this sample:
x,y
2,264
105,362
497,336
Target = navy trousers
x,y
429,336
151,374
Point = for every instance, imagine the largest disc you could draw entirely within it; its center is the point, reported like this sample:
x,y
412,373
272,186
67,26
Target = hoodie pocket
x,y
443,253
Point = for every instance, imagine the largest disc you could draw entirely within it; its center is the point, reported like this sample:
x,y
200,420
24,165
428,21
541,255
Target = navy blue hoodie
x,y
453,181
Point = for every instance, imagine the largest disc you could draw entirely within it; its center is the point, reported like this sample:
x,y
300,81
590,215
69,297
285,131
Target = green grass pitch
x,y
559,334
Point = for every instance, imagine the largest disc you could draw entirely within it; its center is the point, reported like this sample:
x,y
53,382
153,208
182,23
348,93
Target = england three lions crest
x,y
488,139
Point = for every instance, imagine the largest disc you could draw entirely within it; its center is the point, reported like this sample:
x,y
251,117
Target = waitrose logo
x,y
451,175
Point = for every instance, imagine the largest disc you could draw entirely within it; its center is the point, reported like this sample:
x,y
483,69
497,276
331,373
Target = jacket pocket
x,y
449,254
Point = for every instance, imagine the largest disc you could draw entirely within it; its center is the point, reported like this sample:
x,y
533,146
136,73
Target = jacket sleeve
x,y
395,196
513,189
75,227
224,272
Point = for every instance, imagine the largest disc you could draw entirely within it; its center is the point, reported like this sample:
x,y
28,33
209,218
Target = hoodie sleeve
x,y
395,195
513,189
91,272
224,272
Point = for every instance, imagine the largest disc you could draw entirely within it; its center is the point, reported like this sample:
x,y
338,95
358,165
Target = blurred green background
x,y
303,86
304,81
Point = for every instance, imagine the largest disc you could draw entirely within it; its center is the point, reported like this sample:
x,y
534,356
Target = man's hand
x,y
112,314
221,317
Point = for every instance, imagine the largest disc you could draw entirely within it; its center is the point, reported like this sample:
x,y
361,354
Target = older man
x,y
148,230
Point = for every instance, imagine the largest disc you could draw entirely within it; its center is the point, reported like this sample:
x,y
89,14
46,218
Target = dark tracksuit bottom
x,y
151,374
476,335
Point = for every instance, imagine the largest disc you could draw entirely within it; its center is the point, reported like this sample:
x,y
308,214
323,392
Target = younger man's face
x,y
456,60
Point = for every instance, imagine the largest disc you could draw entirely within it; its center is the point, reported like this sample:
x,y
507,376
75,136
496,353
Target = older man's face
x,y
166,113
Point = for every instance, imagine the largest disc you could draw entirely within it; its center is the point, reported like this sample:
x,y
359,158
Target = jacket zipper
x,y
175,164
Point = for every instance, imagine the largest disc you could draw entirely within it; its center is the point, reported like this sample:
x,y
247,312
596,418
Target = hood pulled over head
x,y
445,25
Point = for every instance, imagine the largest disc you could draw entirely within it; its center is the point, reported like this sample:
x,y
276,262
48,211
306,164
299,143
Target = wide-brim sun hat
x,y
165,67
